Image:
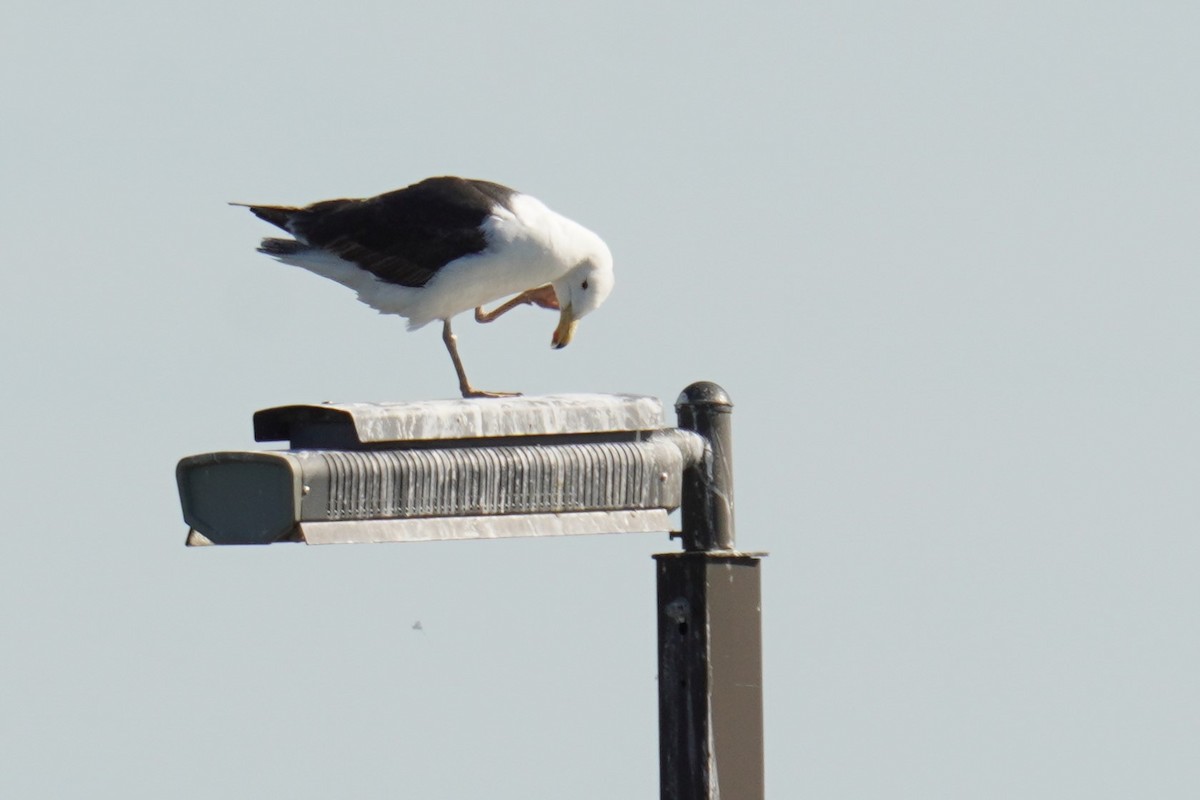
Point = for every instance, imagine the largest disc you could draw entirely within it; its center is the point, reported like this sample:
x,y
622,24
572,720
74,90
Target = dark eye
x,y
583,285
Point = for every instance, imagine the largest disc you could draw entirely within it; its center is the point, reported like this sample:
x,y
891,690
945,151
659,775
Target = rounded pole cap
x,y
706,394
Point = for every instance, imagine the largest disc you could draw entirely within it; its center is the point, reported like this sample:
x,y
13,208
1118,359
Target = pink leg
x,y
543,296
464,385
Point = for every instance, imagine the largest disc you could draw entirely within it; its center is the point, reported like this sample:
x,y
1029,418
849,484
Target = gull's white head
x,y
581,291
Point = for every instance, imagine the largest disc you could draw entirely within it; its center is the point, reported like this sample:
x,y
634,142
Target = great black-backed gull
x,y
444,246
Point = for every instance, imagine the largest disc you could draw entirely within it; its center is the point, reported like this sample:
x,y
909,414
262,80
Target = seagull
x,y
446,245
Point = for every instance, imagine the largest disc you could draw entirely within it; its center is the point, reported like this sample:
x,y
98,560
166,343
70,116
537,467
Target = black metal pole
x,y
707,511
709,629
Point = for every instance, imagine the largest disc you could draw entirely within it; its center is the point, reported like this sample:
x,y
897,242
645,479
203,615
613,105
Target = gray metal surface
x,y
431,529
259,498
342,424
710,676
240,498
494,480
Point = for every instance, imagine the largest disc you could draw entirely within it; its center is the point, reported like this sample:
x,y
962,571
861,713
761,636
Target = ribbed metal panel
x,y
381,484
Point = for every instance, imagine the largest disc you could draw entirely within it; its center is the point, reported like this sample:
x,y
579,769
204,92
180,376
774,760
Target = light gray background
x,y
943,256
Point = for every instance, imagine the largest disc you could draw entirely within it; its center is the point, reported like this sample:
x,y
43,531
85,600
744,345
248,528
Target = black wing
x,y
406,236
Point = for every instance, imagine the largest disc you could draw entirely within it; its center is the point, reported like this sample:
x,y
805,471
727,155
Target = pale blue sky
x,y
942,255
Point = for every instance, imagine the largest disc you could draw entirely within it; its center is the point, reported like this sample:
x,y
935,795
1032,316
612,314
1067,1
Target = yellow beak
x,y
565,330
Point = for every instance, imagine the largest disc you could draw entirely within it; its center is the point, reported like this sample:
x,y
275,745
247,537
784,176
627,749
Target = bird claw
x,y
473,393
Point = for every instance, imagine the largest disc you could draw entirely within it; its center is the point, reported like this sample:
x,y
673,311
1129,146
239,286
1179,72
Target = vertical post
x,y
709,629
707,510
